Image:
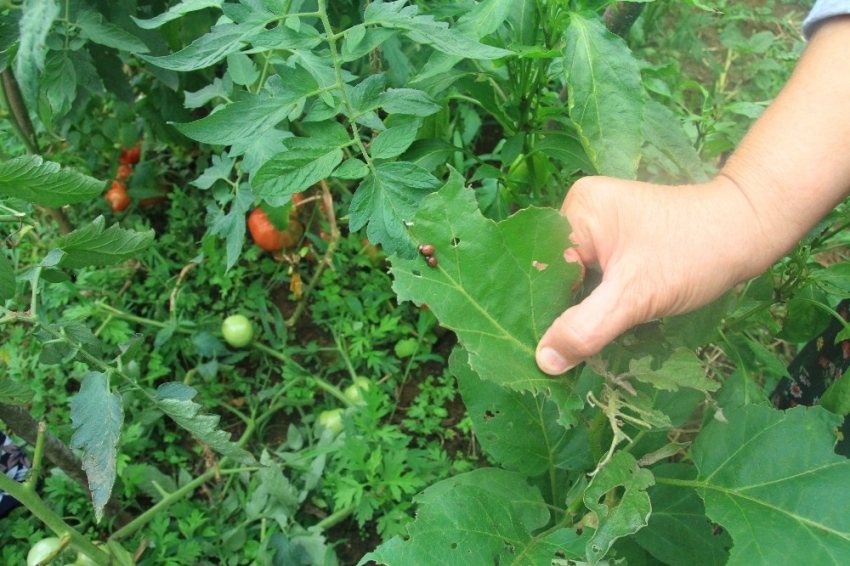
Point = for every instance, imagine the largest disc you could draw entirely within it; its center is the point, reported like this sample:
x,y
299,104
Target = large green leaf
x,y
176,11
306,162
386,200
248,119
97,416
606,96
499,286
425,29
663,130
617,518
77,336
772,480
93,28
678,514
175,400
208,49
394,141
482,518
44,182
35,23
518,430
14,393
481,20
94,245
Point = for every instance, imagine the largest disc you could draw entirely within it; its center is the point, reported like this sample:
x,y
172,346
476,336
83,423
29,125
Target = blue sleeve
x,y
822,10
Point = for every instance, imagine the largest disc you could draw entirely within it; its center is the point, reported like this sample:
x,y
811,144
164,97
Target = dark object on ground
x,y
15,464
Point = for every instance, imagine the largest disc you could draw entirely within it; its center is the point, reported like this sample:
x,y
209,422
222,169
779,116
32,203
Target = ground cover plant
x,y
274,271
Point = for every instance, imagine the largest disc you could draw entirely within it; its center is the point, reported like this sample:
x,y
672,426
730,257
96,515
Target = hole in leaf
x,y
488,415
455,242
509,547
453,546
595,549
579,531
561,553
416,273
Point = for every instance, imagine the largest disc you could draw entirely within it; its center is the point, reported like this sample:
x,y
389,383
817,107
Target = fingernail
x,y
552,362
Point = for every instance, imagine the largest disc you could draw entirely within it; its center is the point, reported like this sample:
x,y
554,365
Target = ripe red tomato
x,y
124,172
270,238
130,156
117,196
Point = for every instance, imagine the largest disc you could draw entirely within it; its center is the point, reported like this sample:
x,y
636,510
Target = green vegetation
x,y
371,401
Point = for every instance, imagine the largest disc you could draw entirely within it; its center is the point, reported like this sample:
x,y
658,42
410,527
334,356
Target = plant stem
x,y
336,517
326,258
54,522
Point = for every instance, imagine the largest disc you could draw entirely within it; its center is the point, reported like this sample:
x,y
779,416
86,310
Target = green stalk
x,y
31,500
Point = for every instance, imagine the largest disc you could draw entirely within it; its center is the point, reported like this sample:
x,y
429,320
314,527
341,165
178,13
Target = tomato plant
x,y
434,139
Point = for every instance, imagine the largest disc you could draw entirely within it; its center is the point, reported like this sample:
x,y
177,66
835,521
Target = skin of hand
x,y
667,250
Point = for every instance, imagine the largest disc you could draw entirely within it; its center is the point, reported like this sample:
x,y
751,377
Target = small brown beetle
x,y
426,249
431,260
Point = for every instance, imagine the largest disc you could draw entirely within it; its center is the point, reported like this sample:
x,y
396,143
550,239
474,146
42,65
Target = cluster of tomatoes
x,y
117,196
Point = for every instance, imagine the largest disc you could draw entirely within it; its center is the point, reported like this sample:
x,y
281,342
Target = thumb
x,y
584,329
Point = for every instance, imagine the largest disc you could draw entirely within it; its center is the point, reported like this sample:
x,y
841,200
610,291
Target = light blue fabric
x,y
822,10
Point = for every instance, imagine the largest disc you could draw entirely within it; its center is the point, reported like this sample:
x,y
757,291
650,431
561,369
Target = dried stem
x,y
325,262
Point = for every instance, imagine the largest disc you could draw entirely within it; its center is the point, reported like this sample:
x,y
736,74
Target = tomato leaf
x,y
606,96
175,12
55,351
14,393
486,513
93,28
175,400
44,182
425,29
248,119
772,480
97,416
37,17
388,198
394,141
482,20
92,245
627,515
208,49
499,286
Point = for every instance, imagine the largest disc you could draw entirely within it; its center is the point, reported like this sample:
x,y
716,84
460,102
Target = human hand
x,y
662,250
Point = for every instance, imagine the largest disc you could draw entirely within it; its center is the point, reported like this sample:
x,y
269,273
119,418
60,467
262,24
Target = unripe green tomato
x,y
406,347
331,420
354,392
83,560
237,330
132,369
42,549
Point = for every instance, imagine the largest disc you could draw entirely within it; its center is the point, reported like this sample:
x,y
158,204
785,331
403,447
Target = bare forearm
x,y
794,164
